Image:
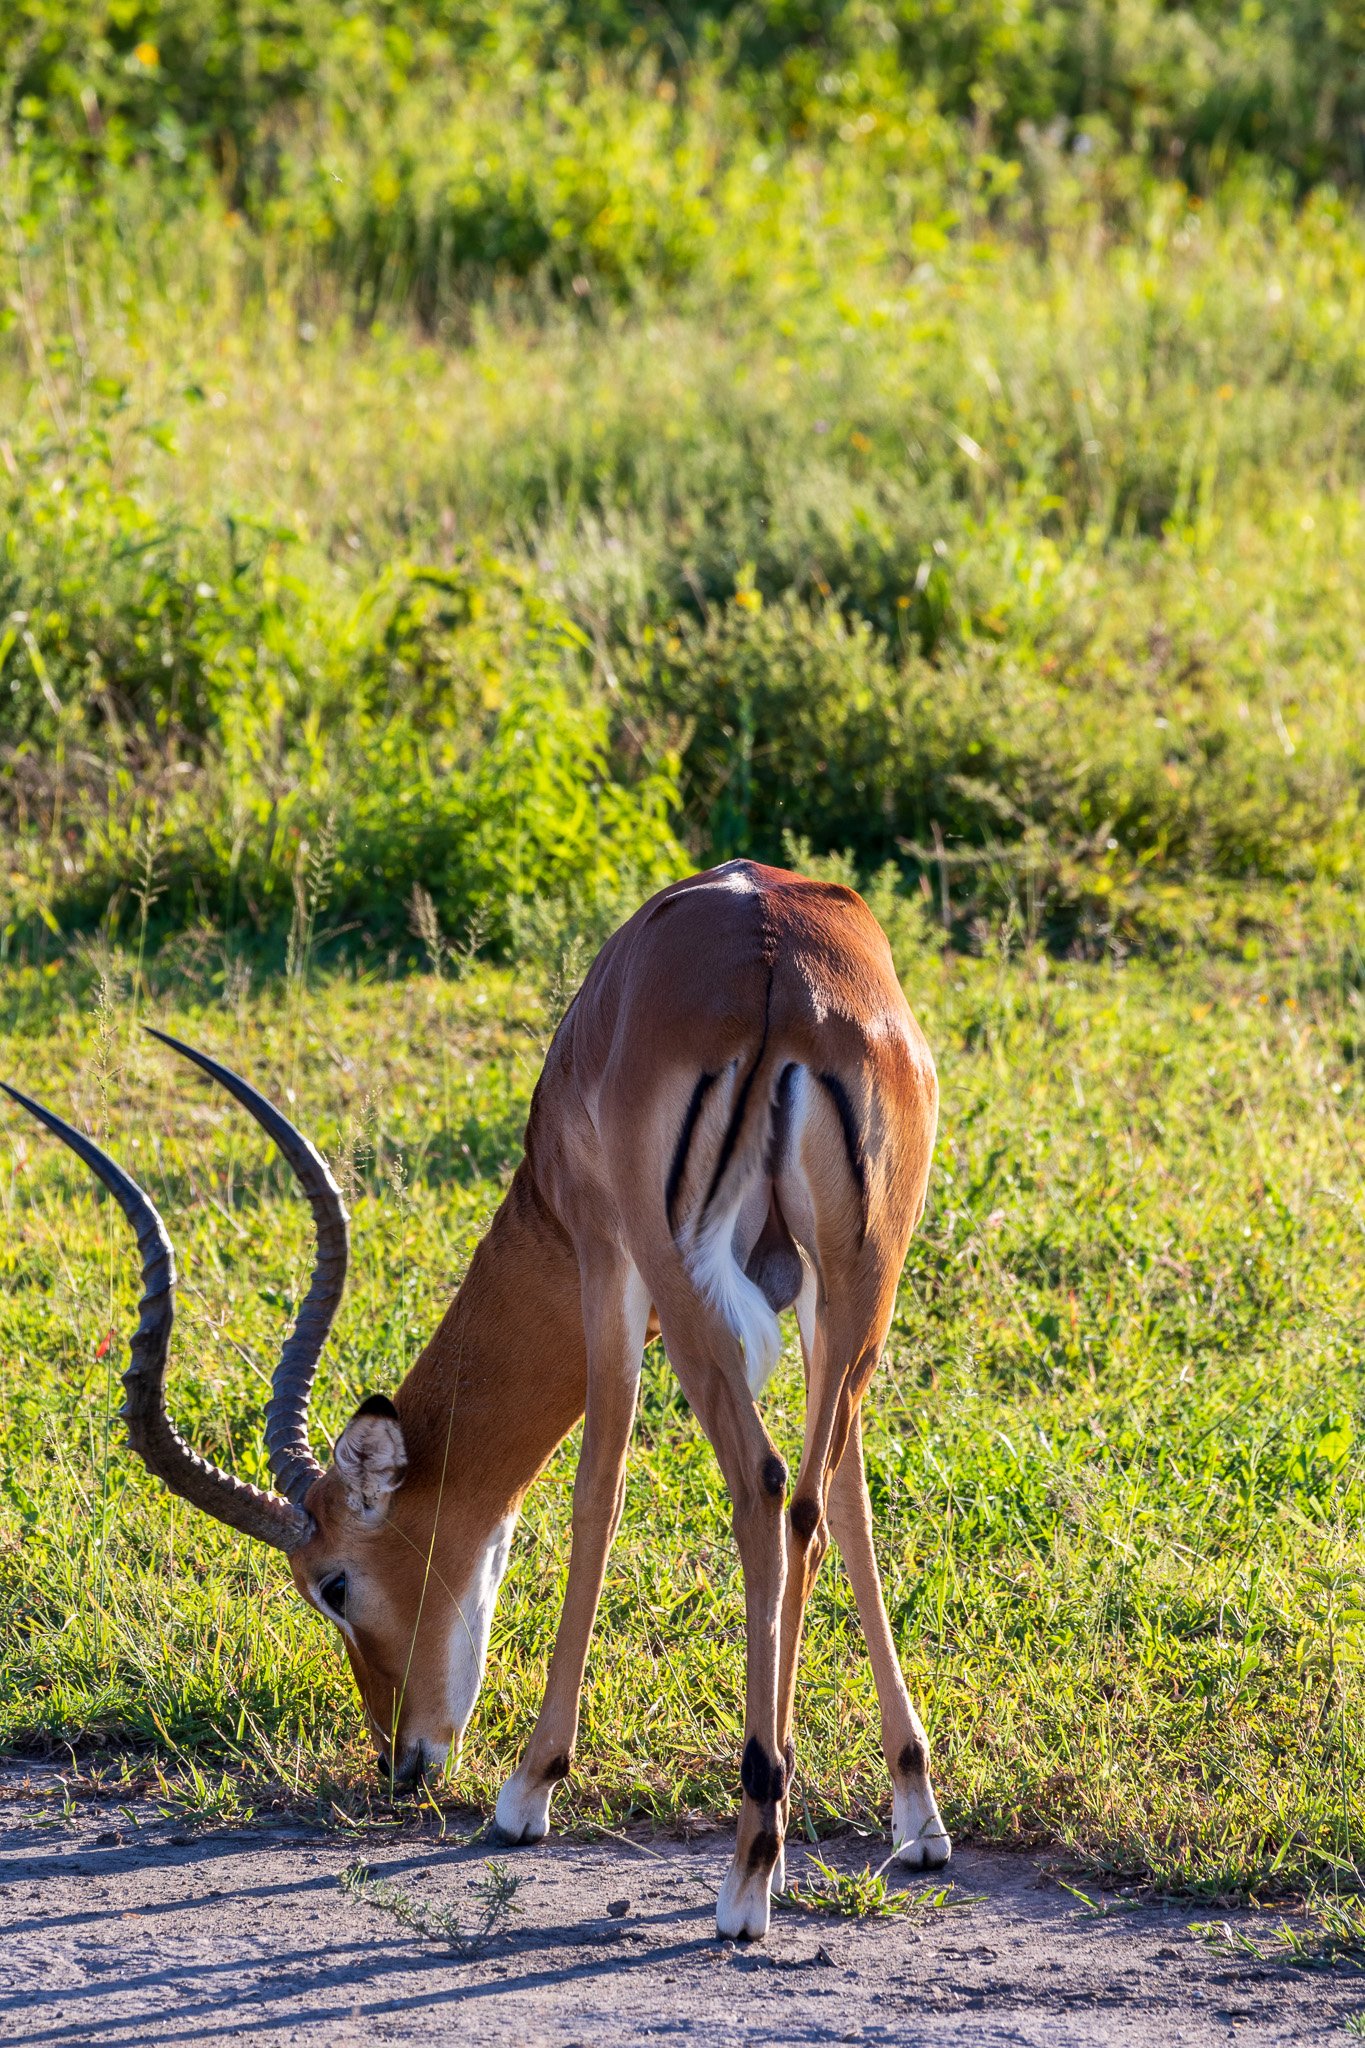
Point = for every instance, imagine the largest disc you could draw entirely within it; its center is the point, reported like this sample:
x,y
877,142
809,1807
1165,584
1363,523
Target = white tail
x,y
722,1281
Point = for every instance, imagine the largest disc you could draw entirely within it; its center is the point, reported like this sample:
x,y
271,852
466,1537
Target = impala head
x,y
413,1612
411,1601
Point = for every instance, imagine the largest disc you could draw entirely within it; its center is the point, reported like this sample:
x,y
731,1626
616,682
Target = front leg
x,y
615,1315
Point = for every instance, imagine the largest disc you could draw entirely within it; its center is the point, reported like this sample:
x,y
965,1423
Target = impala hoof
x,y
522,1814
930,1852
917,1831
498,1837
742,1909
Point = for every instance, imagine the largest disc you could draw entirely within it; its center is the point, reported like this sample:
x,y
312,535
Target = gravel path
x,y
116,1927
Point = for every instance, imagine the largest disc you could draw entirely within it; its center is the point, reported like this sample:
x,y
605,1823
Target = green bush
x,y
1054,783
118,618
486,393
539,813
99,82
193,720
586,184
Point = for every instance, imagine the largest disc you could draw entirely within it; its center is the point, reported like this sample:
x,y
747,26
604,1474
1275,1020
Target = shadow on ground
x,y
119,1929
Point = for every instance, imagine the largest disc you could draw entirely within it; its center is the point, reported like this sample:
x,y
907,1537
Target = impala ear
x,y
371,1457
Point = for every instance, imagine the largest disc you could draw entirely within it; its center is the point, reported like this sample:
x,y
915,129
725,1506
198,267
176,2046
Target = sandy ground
x,y
118,1927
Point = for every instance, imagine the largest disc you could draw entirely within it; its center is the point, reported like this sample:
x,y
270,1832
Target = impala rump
x,y
742,1253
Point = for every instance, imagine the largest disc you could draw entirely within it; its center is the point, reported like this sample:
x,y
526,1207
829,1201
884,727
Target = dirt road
x,y
118,1928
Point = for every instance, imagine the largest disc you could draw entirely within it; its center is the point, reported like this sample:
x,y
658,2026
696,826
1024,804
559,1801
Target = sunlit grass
x,y
864,1894
920,505
1332,1935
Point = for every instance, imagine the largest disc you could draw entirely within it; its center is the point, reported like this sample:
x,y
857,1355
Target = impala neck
x,y
504,1378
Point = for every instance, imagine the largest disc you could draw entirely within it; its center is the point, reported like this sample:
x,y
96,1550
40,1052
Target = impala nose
x,y
407,1773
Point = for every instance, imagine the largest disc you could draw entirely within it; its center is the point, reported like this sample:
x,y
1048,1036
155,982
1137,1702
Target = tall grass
x,y
894,526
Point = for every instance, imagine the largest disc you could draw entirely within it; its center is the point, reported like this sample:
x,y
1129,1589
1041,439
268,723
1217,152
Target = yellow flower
x,y
148,55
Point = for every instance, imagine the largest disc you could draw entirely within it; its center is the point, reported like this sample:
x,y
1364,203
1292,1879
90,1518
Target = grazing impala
x,y
735,1118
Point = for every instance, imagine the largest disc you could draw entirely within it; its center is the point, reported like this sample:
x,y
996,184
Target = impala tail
x,y
742,1201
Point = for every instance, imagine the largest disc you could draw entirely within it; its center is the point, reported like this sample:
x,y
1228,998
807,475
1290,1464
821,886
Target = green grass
x,y
496,1892
990,510
1334,1934
864,1894
1114,1447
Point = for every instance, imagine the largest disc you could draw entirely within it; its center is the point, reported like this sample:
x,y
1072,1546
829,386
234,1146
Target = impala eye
x,y
332,1593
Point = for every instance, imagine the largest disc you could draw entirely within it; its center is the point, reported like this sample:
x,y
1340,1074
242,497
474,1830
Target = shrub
x,y
195,713
588,183
1197,83
1055,782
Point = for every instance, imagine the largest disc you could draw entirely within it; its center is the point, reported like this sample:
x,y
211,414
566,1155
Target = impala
x,y
735,1118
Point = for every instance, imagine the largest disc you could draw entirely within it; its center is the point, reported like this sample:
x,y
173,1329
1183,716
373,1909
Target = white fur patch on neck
x,y
469,1629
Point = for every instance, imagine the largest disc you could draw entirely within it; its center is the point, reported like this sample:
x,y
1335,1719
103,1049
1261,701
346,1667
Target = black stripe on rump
x,y
781,1124
838,1095
673,1185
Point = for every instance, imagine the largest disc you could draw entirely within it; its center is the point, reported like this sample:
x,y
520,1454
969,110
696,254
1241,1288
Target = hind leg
x,y
830,1381
706,1357
918,1835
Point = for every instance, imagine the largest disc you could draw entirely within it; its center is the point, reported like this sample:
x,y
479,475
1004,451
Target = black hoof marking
x,y
805,1515
789,1753
913,1761
763,1778
763,1851
774,1476
555,1770
499,1838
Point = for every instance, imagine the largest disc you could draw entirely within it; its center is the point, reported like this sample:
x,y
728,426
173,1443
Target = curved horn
x,y
286,1416
151,1433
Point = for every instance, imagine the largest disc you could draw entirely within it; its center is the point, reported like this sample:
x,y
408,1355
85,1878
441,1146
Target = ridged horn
x,y
151,1433
286,1416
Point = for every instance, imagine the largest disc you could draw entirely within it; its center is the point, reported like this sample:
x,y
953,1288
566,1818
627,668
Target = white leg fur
x,y
743,1908
522,1813
918,1835
778,1882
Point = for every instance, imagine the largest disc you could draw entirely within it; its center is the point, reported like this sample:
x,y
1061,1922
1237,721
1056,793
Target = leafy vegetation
x,y
792,458
458,468
864,1894
496,1890
103,80
1334,1934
